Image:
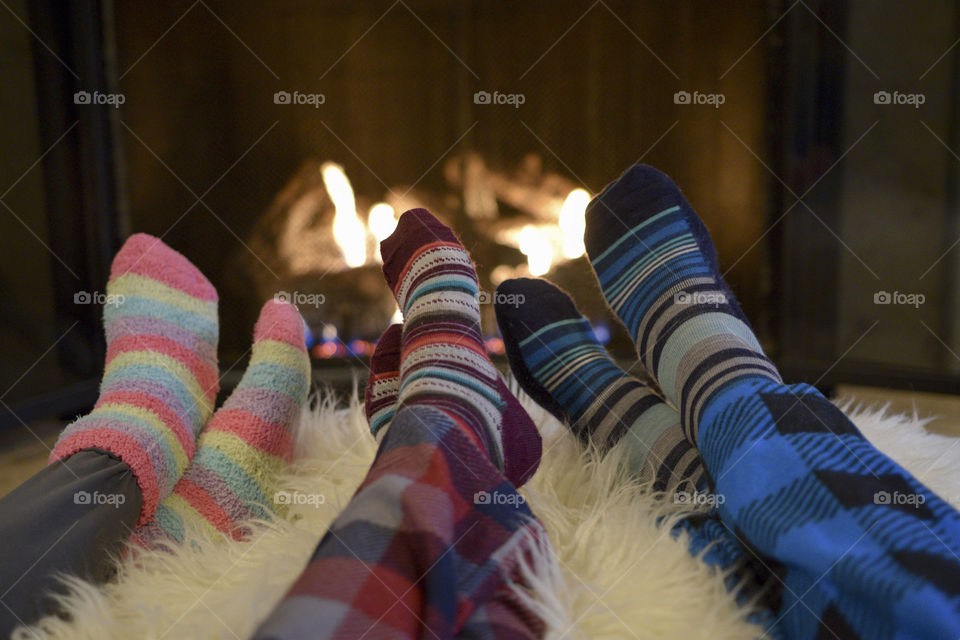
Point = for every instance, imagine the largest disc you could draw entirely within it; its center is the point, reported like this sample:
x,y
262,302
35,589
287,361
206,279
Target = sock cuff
x,y
143,464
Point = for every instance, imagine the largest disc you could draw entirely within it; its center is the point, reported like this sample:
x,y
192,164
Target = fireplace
x,y
317,243
276,144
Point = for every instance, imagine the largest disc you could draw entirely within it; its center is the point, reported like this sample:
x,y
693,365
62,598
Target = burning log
x,y
313,246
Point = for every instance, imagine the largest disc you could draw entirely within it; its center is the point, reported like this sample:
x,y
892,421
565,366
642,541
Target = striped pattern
x,y
383,385
801,488
248,440
558,361
160,378
660,279
444,363
424,549
443,359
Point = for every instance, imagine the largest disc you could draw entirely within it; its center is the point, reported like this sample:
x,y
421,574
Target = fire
x,y
572,222
348,229
381,221
537,248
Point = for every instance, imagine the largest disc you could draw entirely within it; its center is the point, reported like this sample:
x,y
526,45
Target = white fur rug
x,y
613,572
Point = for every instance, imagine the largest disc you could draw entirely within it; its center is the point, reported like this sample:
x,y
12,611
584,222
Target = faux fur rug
x,y
612,572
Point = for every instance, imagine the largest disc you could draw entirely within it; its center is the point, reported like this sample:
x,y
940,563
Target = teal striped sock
x,y
557,360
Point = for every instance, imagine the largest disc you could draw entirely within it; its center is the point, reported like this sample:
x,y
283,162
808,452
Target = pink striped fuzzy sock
x,y
248,440
160,379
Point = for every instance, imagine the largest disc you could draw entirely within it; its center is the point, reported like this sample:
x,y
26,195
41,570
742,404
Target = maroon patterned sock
x,y
443,360
380,397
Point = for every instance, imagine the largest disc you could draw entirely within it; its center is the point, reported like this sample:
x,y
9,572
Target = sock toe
x,y
416,228
386,355
516,325
553,304
148,256
280,321
522,443
380,394
639,194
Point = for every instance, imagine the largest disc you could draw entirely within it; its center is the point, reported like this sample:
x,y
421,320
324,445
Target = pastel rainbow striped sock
x,y
444,363
383,385
248,440
160,380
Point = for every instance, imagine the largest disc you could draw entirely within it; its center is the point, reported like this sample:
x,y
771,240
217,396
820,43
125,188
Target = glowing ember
x,y
572,223
348,229
329,333
536,247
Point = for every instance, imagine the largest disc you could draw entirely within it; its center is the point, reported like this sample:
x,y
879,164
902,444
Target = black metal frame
x,y
804,110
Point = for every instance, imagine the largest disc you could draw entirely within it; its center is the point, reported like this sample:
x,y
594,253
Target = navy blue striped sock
x,y
557,360
861,548
658,271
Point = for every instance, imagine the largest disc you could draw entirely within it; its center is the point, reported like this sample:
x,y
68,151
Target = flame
x,y
348,229
382,221
537,249
572,223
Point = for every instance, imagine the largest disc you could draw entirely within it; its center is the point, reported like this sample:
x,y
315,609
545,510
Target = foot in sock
x,y
444,363
383,385
658,272
799,480
160,379
559,363
247,441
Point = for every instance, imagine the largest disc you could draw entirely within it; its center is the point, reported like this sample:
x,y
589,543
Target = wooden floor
x,y
23,452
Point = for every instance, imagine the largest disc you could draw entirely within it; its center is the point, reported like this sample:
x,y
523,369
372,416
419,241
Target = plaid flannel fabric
x,y
422,549
859,547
